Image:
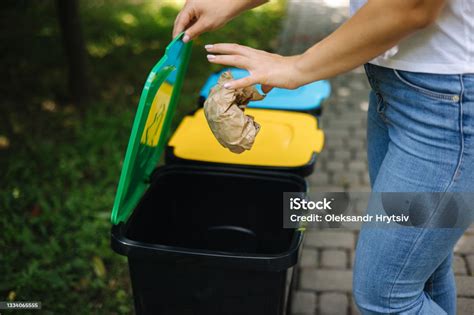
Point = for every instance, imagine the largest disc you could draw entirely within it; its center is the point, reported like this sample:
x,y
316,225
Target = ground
x,y
325,281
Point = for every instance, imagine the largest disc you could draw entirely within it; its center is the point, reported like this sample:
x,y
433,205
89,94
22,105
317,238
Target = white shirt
x,y
445,47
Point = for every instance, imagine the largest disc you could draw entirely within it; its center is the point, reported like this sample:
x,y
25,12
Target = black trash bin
x,y
199,239
210,241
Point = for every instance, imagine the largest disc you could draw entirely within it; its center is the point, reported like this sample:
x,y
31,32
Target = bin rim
x,y
270,262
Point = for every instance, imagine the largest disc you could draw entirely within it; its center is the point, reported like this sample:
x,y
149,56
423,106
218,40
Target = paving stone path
x,y
325,275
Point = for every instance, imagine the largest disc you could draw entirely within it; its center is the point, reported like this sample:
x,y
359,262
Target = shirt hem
x,y
438,68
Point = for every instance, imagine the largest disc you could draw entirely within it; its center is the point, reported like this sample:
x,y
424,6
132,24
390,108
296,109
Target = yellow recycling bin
x,y
287,141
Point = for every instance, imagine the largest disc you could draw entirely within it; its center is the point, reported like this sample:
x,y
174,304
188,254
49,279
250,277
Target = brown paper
x,y
224,110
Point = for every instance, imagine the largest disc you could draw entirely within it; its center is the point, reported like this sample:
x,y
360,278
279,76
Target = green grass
x,y
60,164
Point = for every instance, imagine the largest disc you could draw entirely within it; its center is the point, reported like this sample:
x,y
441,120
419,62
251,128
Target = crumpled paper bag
x,y
224,111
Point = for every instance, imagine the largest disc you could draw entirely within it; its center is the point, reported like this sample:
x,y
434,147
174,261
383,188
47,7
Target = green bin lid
x,y
150,127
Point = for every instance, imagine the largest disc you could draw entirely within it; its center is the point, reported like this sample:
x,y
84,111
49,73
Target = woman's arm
x,y
199,16
375,28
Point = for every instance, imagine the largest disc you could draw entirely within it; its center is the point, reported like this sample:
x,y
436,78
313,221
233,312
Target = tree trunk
x,y
73,44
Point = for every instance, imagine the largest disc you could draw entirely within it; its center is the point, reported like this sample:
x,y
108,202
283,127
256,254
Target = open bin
x,y
307,98
199,240
287,141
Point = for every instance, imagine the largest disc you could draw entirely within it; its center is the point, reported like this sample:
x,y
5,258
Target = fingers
x,y
230,60
241,83
196,29
188,20
228,49
175,25
231,55
181,21
238,56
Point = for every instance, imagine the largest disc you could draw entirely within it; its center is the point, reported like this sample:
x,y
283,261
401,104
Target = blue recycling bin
x,y
308,98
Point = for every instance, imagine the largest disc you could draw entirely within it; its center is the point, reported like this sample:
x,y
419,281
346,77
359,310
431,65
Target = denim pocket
x,y
429,82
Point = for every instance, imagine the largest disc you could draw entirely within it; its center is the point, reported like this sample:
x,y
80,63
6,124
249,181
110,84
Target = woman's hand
x,y
199,16
269,70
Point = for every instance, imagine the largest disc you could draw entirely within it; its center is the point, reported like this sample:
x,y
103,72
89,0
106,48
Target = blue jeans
x,y
420,137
